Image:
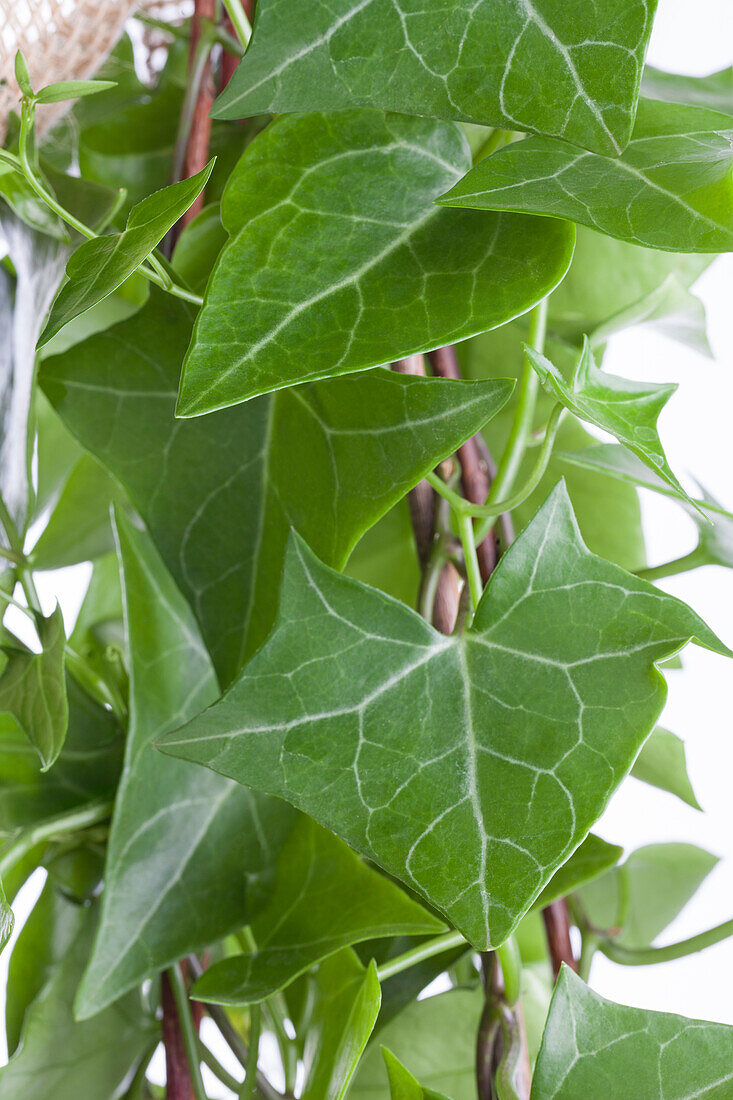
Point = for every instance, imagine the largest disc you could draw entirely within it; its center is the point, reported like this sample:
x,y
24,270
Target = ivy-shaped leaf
x,y
233,483
184,846
33,688
662,763
523,66
671,189
402,1085
589,1040
714,91
411,745
100,265
627,409
324,899
339,258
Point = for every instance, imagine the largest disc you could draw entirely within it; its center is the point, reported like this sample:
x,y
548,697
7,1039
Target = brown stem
x,y
177,1074
197,149
557,929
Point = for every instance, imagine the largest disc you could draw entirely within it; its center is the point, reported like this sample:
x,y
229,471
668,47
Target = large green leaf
x,y
324,899
402,1085
590,1042
671,189
346,1005
233,483
714,91
185,846
339,258
410,744
33,688
59,1057
524,66
661,763
626,409
100,265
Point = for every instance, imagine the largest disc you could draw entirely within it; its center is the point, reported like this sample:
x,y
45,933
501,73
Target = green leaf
x,y
22,75
671,309
79,527
626,409
520,66
714,91
72,89
99,266
434,1039
7,920
185,846
26,205
593,858
33,688
643,896
671,189
64,1059
347,1001
314,458
198,247
362,715
324,899
402,1085
589,1040
395,273
661,763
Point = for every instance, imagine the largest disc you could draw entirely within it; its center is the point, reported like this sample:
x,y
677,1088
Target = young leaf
x,y
409,744
626,409
185,846
313,458
402,1085
347,999
33,688
72,89
589,1040
671,188
593,858
22,75
339,258
324,899
520,66
661,763
99,266
714,91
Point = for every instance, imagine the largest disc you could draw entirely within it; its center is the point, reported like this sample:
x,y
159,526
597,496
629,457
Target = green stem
x,y
277,1014
511,968
188,1031
468,540
588,948
249,1088
239,20
12,555
420,953
209,1059
82,817
693,560
648,956
25,576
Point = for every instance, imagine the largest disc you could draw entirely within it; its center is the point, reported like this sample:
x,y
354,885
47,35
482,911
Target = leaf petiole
x,y
418,954
239,21
648,956
71,821
683,564
468,541
511,969
249,1087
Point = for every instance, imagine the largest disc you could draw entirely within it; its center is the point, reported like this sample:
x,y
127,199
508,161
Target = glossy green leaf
x,y
435,1040
714,91
402,1085
72,89
626,409
313,458
593,858
339,258
661,763
671,188
645,894
33,688
392,739
523,66
60,1058
590,1041
79,527
99,266
324,899
347,1000
185,846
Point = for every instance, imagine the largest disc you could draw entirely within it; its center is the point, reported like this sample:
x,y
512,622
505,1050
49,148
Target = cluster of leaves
x,y
251,752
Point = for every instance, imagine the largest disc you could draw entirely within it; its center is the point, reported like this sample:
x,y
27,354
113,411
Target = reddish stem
x,y
177,1074
557,929
197,147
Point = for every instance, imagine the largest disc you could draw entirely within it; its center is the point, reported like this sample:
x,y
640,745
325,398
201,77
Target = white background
x,y
697,432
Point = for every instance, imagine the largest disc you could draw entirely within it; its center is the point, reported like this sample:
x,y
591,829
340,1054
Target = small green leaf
x,y
313,457
324,899
671,309
72,89
395,274
671,189
79,527
22,75
347,999
589,1040
593,858
661,763
714,91
401,740
402,1085
177,833
99,266
528,66
33,688
628,410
